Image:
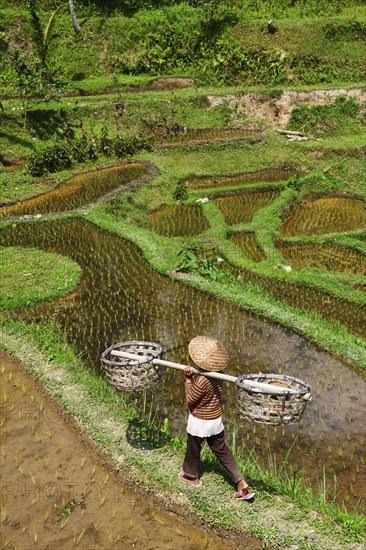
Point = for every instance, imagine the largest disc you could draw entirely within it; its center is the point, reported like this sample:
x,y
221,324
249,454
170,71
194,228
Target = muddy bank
x,y
57,492
277,108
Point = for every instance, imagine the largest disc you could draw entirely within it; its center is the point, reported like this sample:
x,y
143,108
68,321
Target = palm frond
x,y
49,28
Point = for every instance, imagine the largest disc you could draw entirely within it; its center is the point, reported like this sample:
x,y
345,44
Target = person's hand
x,y
188,372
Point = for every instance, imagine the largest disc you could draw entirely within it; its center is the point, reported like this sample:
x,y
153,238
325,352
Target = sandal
x,y
182,477
246,496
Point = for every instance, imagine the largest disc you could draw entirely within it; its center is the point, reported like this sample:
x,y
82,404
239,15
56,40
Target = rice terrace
x,y
172,171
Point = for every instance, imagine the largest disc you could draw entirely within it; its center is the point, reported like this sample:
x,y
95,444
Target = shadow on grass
x,y
142,436
11,138
210,464
45,124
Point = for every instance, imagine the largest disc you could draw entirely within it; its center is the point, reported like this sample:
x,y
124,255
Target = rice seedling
x,y
118,538
97,525
33,478
50,433
64,521
4,515
158,519
47,514
78,538
35,533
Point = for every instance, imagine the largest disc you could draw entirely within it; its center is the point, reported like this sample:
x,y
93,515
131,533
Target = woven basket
x,y
128,374
264,408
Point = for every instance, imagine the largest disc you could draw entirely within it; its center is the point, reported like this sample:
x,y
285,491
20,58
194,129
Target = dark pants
x,y
218,446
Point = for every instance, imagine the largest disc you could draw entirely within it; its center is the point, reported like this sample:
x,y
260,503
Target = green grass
x,y
29,276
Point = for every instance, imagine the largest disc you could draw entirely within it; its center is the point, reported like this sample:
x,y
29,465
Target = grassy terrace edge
x,y
304,519
49,276
330,336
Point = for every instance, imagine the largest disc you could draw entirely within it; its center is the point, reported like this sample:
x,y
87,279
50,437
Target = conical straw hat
x,y
208,353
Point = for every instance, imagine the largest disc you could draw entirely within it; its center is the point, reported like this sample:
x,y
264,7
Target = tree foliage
x,y
29,83
42,36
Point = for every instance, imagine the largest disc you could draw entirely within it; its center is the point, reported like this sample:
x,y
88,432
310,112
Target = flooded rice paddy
x,y
78,190
241,207
265,175
57,494
180,220
248,245
325,215
310,299
121,298
325,256
187,220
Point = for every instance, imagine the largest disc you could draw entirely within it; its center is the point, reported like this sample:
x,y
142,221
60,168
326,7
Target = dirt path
x,y
277,109
57,494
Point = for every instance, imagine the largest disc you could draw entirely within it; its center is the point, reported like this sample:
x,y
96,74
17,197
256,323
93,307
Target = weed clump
x,y
319,120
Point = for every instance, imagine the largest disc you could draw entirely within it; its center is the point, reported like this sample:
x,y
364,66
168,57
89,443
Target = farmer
x,y
205,415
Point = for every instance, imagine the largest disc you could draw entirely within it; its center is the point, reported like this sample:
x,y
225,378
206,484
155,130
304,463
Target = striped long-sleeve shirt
x,y
204,397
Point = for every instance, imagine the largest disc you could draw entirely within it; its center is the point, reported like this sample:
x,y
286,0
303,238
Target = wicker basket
x,y
128,374
264,408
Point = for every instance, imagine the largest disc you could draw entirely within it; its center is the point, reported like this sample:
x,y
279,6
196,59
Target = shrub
x,y
321,119
125,147
50,159
180,192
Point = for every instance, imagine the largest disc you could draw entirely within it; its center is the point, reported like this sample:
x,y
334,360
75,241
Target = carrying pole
x,y
251,385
